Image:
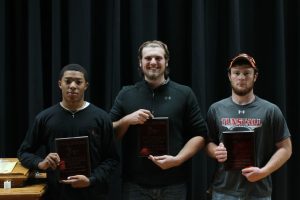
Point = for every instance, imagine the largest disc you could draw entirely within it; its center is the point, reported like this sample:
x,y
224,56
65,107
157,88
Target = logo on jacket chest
x,y
167,98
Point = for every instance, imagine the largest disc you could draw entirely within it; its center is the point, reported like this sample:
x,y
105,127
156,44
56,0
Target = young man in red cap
x,y
243,111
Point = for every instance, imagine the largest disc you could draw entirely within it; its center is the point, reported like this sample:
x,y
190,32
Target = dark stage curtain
x,y
37,38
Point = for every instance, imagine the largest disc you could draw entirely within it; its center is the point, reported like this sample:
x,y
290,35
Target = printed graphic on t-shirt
x,y
249,123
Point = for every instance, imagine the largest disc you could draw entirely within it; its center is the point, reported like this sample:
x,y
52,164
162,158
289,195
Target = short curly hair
x,y
73,67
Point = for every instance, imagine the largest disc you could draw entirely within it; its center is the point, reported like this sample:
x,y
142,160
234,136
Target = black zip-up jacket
x,y
172,100
57,122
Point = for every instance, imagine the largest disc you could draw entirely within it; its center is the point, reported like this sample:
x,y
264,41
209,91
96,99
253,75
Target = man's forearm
x,y
282,154
120,128
191,148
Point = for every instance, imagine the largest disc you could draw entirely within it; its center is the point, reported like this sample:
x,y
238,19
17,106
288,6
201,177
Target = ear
x,y
59,84
255,76
167,64
228,74
86,86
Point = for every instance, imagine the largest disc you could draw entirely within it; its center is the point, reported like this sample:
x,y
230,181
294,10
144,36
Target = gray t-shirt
x,y
270,127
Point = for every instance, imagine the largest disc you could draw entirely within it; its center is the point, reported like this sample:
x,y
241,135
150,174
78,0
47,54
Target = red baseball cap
x,y
243,57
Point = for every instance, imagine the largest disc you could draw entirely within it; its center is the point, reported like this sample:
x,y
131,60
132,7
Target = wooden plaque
x,y
74,156
240,147
153,137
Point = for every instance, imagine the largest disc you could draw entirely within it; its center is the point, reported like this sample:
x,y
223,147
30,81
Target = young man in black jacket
x,y
161,177
72,117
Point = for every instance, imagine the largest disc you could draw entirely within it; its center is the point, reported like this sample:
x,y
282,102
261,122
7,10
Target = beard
x,y
153,74
242,91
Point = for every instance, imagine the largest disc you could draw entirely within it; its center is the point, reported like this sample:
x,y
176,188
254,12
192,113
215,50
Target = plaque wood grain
x,y
240,146
153,137
74,156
